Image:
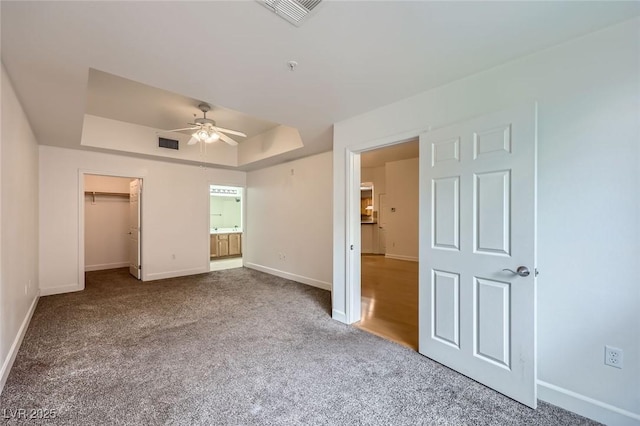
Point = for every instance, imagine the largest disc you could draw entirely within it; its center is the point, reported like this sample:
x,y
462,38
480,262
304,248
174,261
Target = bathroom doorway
x,y
226,225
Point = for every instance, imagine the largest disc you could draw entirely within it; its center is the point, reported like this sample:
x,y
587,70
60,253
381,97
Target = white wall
x,y
288,230
19,226
588,204
175,214
106,223
402,195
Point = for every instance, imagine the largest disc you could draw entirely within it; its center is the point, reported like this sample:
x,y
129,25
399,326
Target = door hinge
x,y
536,271
140,267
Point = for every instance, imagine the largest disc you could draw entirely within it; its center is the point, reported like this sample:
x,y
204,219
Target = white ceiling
x,y
353,56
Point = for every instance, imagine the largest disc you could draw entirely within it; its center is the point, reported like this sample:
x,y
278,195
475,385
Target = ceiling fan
x,y
206,130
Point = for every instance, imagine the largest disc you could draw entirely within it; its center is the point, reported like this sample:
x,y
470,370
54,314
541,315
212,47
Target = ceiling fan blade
x,y
192,141
227,139
178,130
231,132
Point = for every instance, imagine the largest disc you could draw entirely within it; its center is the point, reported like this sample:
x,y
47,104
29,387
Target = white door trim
x,y
353,249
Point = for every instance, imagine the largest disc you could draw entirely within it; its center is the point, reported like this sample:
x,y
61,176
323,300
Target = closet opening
x,y
111,224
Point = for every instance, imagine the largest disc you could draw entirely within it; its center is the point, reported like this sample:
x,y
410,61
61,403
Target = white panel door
x,y
477,202
135,191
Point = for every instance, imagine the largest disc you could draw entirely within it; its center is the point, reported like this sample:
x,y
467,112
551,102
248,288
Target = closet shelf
x,y
111,194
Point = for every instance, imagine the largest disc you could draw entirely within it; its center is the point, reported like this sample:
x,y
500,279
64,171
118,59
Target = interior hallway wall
x,y
18,225
402,209
288,211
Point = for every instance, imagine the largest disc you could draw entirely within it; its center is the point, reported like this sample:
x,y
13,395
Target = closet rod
x,y
113,194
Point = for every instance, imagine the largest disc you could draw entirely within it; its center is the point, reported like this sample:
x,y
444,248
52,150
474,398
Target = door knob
x,y
523,271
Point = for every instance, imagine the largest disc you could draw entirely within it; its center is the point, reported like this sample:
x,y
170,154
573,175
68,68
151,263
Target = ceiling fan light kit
x,y
206,136
206,130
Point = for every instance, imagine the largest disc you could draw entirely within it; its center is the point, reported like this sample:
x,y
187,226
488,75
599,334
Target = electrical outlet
x,y
613,356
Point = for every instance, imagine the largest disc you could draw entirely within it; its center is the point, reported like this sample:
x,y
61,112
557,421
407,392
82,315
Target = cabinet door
x,y
223,247
235,244
213,246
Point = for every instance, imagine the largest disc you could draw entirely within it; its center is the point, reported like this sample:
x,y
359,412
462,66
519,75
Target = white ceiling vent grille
x,y
294,11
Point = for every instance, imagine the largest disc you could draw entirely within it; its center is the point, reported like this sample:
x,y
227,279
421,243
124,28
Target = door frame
x,y
353,302
81,263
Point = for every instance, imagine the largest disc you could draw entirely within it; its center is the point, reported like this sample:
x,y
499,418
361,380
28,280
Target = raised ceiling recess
x,y
128,116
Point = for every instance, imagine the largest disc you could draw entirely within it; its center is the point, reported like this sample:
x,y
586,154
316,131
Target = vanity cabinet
x,y
235,244
213,245
223,245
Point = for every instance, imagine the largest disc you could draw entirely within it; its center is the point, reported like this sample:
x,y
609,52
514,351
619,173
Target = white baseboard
x,y
401,257
69,288
102,266
173,274
13,351
585,406
289,276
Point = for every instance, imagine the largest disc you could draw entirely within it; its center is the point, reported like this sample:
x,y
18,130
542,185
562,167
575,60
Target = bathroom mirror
x,y
366,202
225,209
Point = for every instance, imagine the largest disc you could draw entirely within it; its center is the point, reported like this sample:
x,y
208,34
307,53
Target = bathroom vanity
x,y
225,243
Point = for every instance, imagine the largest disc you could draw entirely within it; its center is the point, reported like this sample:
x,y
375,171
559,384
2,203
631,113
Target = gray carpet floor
x,y
234,347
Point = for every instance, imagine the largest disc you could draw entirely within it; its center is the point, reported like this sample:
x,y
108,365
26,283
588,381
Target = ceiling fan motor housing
x,y
204,121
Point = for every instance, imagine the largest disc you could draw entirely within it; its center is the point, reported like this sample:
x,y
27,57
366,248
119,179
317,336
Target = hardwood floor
x,y
390,299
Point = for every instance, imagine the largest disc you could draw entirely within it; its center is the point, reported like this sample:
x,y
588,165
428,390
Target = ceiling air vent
x,y
294,11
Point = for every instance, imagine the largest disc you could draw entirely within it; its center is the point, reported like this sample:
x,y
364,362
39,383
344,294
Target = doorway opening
x,y
389,242
226,213
111,224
